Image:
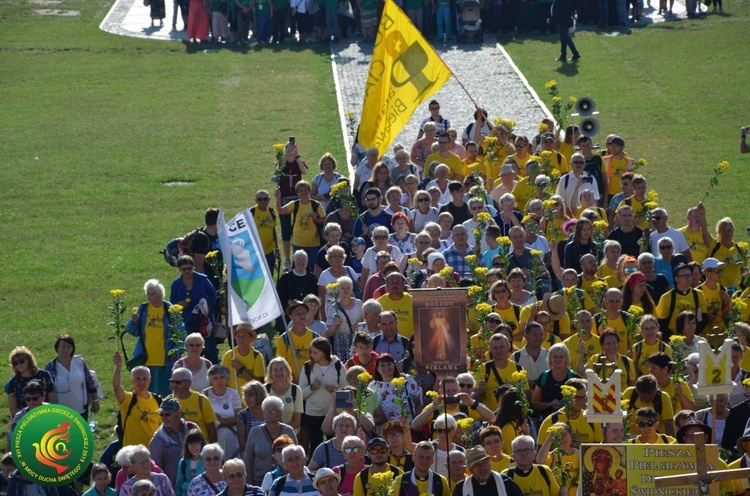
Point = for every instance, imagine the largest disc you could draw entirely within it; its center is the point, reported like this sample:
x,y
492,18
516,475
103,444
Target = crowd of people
x,y
570,265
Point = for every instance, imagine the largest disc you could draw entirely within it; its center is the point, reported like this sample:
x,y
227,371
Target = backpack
x,y
664,323
294,391
545,475
639,350
122,422
273,216
308,369
657,400
177,247
279,487
625,364
364,474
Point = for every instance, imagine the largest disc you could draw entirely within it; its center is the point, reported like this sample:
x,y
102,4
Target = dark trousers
x,y
280,17
565,41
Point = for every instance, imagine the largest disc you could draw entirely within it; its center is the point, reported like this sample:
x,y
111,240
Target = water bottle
x,y
92,421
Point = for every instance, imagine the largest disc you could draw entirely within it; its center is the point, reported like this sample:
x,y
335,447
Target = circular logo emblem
x,y
52,445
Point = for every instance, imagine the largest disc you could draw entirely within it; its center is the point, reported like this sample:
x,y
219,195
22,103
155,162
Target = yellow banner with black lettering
x,y
405,71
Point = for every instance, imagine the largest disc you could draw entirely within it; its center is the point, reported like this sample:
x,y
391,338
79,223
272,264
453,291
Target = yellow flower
x,y
653,196
642,162
382,478
187,300
135,309
746,382
518,376
399,381
542,127
364,377
676,338
474,290
650,205
339,188
489,141
484,308
722,167
212,254
599,286
278,147
636,311
471,259
573,99
536,253
568,391
332,286
446,272
466,423
476,232
555,430
481,271
413,260
600,225
549,204
432,394
349,113
551,84
625,404
557,99
742,245
503,240
117,292
554,173
176,308
484,217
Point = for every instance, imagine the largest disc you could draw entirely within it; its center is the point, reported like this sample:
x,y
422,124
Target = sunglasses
x,y
380,237
462,385
656,217
262,199
424,200
212,459
494,320
648,423
28,399
443,431
20,361
578,162
379,450
665,247
352,449
177,383
630,270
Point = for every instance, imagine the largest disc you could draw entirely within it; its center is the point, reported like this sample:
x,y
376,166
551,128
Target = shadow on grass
x,y
518,39
321,49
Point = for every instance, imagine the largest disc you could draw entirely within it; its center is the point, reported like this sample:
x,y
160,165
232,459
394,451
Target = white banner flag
x,y
250,291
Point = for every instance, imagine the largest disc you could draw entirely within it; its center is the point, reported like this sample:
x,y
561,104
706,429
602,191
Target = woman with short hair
x,y
259,447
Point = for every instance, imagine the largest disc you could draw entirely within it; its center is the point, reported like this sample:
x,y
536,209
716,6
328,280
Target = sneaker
x,y
576,57
562,58
287,266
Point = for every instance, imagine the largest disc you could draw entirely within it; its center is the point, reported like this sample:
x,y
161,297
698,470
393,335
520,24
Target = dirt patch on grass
x,y
45,2
57,12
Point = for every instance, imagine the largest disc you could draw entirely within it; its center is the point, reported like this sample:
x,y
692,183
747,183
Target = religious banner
x,y
715,372
440,338
250,291
603,398
630,469
404,71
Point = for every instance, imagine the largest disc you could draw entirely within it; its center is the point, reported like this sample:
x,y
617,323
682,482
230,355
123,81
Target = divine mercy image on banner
x,y
440,339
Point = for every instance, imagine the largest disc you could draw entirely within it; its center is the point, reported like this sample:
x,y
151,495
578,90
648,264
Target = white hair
x,y
154,284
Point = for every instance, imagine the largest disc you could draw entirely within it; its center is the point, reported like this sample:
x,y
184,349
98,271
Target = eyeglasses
x,y
177,383
380,237
524,451
476,208
165,414
630,270
302,189
212,459
18,362
462,385
194,345
352,449
435,108
443,431
665,247
262,199
28,399
378,450
648,423
656,217
494,320
578,162
443,142
580,398
423,200
236,475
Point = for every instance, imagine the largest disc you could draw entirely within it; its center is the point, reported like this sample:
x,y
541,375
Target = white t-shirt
x,y
678,240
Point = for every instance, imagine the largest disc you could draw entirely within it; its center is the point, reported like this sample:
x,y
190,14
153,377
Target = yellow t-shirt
x,y
714,304
666,413
453,161
601,322
253,362
623,363
305,230
523,191
698,248
586,432
561,328
566,149
422,485
499,465
513,319
266,224
676,400
298,353
682,302
521,164
609,275
404,310
555,230
505,375
614,168
640,351
198,410
584,299
509,433
154,330
534,483
572,465
637,207
660,439
592,348
733,263
142,422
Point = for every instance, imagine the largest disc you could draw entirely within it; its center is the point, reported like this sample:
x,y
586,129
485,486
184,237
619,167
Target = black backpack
x,y
545,475
314,205
177,247
122,422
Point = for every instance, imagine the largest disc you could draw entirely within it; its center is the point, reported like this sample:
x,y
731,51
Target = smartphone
x,y
452,400
344,397
292,140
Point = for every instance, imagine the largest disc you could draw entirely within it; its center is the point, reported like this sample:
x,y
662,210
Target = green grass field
x,y
93,124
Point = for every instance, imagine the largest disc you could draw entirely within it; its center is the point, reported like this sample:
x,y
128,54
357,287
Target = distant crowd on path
x,y
570,265
277,21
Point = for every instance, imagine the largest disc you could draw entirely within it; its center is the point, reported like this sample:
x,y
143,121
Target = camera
x,y
344,397
452,400
292,140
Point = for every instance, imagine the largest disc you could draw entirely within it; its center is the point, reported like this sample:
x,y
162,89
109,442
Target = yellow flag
x,y
404,72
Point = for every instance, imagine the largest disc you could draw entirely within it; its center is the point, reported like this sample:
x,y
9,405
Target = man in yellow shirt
x,y
614,317
266,222
584,342
399,301
646,393
491,439
681,298
717,298
244,359
138,410
294,344
616,164
306,217
196,407
445,156
497,371
694,236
